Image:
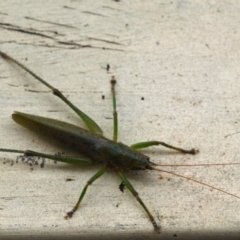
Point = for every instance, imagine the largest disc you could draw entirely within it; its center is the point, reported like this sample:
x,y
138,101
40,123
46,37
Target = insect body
x,y
90,143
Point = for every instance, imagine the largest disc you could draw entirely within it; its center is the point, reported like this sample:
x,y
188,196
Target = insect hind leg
x,y
90,123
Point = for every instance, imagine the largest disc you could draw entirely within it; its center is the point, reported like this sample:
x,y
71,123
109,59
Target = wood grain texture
x,y
177,71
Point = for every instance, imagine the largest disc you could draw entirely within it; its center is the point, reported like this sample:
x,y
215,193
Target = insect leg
x,y
91,124
115,119
66,159
135,194
153,143
90,181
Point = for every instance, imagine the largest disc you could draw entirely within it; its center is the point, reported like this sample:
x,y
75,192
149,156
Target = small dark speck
x,y
108,67
69,179
175,235
121,187
142,98
103,97
55,225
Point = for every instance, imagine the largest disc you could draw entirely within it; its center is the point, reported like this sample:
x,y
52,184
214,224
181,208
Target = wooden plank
x,y
177,72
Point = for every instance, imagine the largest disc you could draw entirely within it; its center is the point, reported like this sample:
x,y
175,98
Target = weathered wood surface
x,y
177,67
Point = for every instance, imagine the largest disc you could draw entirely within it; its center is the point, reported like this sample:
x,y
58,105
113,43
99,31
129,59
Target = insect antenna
x,y
192,179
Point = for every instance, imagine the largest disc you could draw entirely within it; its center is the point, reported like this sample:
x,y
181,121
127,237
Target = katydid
x,y
93,145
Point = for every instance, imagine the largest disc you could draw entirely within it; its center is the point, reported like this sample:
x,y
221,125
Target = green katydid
x,y
93,145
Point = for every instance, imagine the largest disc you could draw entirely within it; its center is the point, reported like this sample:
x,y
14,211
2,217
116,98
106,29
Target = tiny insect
x,y
93,145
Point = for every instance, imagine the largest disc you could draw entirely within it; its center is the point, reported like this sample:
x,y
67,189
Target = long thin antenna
x,y
195,165
194,180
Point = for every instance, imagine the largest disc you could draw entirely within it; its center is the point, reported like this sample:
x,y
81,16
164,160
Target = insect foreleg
x,y
154,143
91,124
135,194
90,181
115,119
